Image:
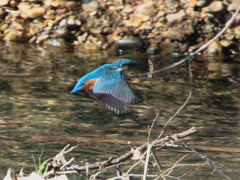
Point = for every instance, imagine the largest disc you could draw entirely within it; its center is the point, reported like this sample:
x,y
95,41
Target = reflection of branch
x,y
204,46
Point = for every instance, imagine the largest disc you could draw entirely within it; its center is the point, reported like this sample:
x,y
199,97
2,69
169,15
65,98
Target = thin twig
x,y
211,163
150,129
190,94
149,150
156,160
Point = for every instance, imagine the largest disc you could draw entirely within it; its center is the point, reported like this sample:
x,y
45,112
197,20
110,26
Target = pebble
x,y
71,22
146,8
225,43
61,32
237,32
4,2
57,42
176,18
43,37
214,7
36,12
90,7
63,23
232,7
213,49
14,35
201,3
172,34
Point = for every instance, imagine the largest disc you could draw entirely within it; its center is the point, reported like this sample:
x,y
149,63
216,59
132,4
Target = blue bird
x,y
109,85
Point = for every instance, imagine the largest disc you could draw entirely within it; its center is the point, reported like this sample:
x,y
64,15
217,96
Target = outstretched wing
x,y
115,84
114,92
111,103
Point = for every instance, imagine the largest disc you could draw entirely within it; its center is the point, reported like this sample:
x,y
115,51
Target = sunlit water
x,y
37,111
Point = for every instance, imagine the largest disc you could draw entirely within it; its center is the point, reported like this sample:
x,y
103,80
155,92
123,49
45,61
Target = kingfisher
x,y
109,85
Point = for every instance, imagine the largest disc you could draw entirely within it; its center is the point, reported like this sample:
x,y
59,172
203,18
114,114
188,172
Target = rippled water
x,y
36,109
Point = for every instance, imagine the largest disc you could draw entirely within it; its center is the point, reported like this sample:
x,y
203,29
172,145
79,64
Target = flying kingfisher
x,y
109,85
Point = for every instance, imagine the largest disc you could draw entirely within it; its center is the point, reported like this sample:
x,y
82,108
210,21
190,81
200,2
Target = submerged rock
x,y
153,49
129,44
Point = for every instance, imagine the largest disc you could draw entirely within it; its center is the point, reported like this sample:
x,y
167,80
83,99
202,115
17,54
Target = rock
x,y
233,6
36,12
14,35
24,7
237,32
214,7
213,49
4,27
61,32
173,35
129,44
237,19
133,23
57,42
161,13
92,43
90,7
43,37
108,30
146,8
71,22
2,13
4,2
225,43
17,26
201,3
69,4
229,34
176,18
168,46
153,49
146,27
63,23
81,39
95,30
128,9
189,3
55,3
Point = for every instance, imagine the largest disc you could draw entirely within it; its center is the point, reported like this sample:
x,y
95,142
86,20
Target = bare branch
x,y
204,46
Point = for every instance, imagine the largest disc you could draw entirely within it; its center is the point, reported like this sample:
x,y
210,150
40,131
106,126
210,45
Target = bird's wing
x,y
114,83
112,103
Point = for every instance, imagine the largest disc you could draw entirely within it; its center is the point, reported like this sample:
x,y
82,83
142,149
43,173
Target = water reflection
x,y
37,110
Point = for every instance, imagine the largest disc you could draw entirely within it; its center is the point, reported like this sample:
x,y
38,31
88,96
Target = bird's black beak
x,y
136,64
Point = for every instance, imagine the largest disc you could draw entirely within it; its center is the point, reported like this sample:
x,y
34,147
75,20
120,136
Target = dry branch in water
x,y
129,155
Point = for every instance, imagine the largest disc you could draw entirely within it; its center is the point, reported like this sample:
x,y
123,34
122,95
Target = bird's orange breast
x,y
124,67
90,84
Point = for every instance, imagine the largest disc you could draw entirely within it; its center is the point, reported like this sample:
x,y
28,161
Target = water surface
x,y
36,109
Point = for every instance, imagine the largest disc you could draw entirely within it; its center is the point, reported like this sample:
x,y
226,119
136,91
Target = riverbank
x,y
152,26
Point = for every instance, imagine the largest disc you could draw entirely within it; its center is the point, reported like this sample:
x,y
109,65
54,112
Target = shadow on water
x,y
37,110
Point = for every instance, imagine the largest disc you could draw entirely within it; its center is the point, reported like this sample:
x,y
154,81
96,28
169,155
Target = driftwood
x,y
127,156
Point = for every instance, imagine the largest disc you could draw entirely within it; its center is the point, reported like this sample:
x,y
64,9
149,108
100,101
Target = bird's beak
x,y
136,64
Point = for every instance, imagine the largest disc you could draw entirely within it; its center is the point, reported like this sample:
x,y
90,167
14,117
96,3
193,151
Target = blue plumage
x,y
108,84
